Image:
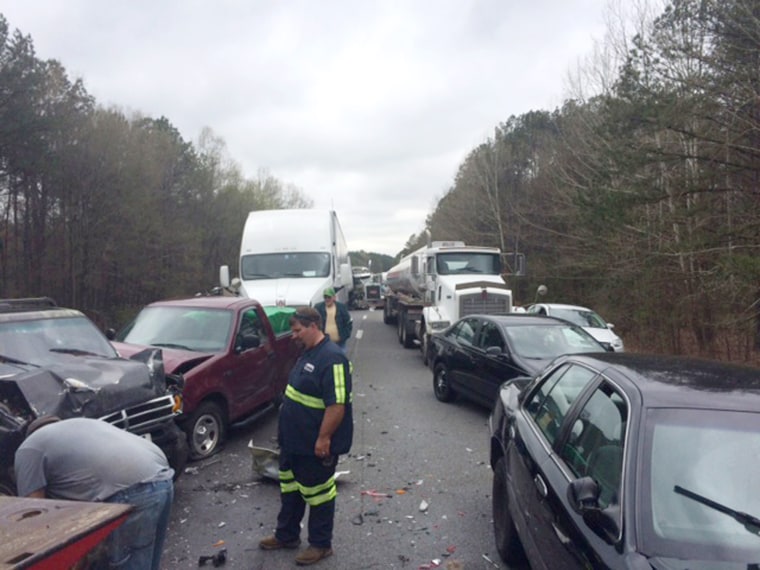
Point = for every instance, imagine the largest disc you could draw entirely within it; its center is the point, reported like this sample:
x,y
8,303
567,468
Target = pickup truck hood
x,y
84,386
291,292
175,361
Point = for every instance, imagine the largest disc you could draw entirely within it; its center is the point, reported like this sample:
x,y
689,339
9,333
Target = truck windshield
x,y
37,341
463,263
184,328
279,265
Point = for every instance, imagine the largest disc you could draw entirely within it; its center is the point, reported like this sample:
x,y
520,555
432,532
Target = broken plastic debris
x,y
191,470
423,505
400,491
218,543
221,524
266,462
377,494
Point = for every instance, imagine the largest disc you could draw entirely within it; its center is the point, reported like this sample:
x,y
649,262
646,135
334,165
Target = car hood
x,y
291,292
175,361
85,386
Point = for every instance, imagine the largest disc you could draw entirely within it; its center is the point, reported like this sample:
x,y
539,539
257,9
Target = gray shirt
x,y
82,459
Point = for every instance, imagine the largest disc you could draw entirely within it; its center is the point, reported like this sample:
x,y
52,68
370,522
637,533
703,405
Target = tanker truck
x,y
439,283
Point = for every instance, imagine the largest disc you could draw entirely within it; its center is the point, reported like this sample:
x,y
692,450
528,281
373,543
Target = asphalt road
x,y
417,493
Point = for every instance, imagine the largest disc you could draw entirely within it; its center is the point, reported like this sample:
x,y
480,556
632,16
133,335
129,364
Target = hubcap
x,y
205,435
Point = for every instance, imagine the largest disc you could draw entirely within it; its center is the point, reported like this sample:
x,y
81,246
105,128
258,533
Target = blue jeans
x,y
137,544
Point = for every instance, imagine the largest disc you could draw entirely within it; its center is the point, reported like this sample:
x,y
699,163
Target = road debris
x,y
424,506
266,462
217,559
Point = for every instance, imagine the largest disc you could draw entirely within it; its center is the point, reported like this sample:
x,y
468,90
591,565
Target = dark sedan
x,y
629,461
474,356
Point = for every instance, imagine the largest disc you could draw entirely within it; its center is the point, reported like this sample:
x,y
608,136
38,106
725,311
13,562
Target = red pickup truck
x,y
234,354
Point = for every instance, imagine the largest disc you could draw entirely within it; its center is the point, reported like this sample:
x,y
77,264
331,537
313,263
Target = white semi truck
x,y
289,257
439,283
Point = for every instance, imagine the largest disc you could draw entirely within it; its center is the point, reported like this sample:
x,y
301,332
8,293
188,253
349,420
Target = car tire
x,y
178,454
441,385
507,541
206,430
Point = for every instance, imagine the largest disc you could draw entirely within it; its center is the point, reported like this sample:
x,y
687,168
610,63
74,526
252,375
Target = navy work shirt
x,y
321,377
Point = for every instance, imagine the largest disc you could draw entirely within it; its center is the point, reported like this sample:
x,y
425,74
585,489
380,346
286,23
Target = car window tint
x,y
553,398
466,332
595,445
490,336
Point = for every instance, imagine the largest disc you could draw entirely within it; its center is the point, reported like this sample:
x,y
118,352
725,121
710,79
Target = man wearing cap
x,y
315,426
336,320
83,459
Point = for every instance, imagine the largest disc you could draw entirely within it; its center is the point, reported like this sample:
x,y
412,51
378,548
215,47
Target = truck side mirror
x,y
224,276
247,340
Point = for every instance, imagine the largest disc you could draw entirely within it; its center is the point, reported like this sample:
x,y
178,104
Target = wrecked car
x,y
234,354
55,361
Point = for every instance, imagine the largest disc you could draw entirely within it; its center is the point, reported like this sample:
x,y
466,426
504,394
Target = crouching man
x,y
82,459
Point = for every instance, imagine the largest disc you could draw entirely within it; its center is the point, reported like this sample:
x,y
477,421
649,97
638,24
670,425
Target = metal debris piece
x,y
217,559
266,462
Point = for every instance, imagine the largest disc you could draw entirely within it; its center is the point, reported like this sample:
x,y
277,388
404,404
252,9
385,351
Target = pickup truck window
x,y
251,324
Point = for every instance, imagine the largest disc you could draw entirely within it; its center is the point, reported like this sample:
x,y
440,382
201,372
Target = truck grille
x,y
144,417
483,303
372,292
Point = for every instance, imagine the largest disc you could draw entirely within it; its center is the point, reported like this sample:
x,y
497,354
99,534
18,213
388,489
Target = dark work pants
x,y
306,479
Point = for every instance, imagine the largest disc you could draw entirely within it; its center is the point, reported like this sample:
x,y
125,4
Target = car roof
x,y
33,308
666,380
562,306
206,302
521,319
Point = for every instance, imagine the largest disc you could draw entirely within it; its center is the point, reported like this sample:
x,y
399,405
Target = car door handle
x,y
540,485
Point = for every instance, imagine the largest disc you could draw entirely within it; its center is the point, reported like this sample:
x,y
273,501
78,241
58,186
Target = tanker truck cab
x,y
438,284
289,257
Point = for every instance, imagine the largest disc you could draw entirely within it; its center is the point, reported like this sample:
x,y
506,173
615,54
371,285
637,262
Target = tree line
x,y
104,211
638,196
641,199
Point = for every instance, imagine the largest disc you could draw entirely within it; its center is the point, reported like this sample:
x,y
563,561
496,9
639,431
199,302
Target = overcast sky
x,y
369,107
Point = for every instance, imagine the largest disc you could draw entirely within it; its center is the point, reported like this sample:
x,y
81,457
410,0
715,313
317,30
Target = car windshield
x,y
696,455
547,342
580,317
184,328
279,265
41,341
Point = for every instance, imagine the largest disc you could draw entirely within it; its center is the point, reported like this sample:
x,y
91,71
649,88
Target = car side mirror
x,y
494,351
583,496
610,326
247,340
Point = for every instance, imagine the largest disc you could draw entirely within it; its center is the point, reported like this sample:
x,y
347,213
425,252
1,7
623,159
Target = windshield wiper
x,y
77,351
12,360
171,345
751,523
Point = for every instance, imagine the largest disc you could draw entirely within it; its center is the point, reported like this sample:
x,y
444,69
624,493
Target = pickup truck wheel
x,y
505,533
205,430
441,386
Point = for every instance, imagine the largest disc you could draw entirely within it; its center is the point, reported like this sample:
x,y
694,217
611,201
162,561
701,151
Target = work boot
x,y
272,543
312,555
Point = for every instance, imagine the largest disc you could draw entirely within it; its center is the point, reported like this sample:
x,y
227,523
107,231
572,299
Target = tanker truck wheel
x,y
400,327
387,318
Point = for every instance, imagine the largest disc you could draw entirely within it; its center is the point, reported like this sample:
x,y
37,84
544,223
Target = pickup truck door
x,y
250,377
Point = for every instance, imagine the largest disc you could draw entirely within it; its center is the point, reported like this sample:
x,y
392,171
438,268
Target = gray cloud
x,y
368,107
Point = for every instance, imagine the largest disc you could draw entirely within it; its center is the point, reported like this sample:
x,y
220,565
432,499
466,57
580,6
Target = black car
x,y
629,461
55,361
474,356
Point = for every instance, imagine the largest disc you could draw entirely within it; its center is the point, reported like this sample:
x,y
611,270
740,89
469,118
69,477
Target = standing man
x,y
315,426
83,459
336,320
